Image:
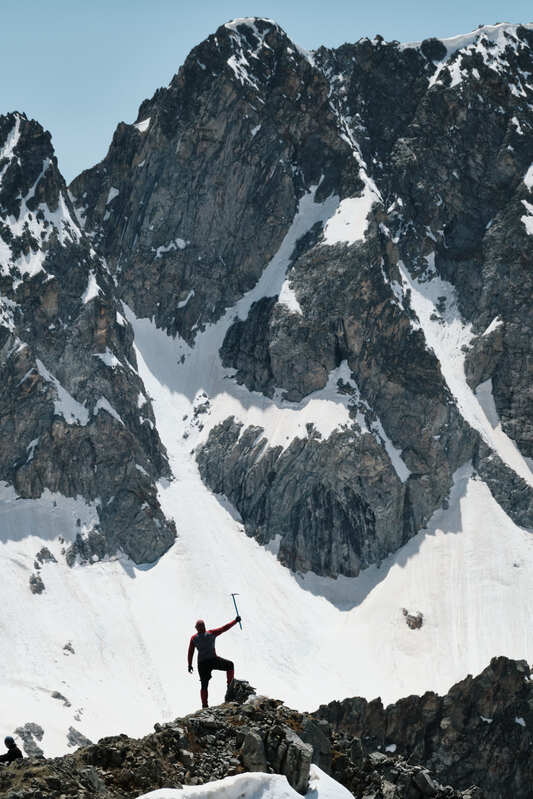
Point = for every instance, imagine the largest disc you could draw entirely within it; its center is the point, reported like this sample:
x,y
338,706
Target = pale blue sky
x,y
82,66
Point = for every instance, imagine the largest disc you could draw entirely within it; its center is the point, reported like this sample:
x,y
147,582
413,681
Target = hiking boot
x,y
230,692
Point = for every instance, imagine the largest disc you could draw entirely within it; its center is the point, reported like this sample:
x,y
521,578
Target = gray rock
x,y
252,752
317,735
424,783
77,738
45,556
187,758
30,733
239,691
36,584
511,491
413,620
59,696
297,762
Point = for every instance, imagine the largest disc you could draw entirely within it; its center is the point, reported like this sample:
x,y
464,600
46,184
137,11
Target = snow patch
x,y
104,405
287,297
527,219
143,125
9,145
395,455
41,224
65,405
528,178
175,244
256,786
488,41
494,325
109,358
184,302
93,289
494,33
350,222
30,449
518,128
113,192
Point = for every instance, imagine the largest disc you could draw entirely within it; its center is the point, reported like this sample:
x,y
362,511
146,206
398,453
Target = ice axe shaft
x,y
236,608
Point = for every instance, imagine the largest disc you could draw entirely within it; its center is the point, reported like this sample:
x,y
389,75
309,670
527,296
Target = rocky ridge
x,y
261,735
479,733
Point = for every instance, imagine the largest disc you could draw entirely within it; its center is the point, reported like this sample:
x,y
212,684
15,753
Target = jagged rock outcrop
x,y
194,199
260,735
479,733
305,495
74,416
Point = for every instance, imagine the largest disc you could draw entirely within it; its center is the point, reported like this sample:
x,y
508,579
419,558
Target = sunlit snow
x,y
143,125
256,786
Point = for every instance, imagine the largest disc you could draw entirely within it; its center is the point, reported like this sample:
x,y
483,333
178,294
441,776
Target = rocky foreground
x,y
480,730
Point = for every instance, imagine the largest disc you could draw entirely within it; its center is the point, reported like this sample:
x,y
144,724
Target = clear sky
x,y
82,66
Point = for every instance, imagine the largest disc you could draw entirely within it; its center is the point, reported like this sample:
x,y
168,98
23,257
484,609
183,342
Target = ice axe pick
x,y
236,608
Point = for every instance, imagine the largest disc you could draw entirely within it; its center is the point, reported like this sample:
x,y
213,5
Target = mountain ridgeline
x,y
387,191
476,738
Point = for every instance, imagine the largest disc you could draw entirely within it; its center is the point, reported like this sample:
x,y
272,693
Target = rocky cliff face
x,y
74,417
479,733
194,199
377,200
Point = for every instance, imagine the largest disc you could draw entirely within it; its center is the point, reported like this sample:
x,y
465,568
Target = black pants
x,y
212,664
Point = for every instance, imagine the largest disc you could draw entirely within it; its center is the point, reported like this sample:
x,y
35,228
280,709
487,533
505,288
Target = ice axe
x,y
236,608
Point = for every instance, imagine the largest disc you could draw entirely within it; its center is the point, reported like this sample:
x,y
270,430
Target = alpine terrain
x,y
278,342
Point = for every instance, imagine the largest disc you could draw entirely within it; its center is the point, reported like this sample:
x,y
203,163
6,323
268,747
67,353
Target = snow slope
x,y
129,626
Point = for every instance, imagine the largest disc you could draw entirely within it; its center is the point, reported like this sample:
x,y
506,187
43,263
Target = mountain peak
x,y
501,33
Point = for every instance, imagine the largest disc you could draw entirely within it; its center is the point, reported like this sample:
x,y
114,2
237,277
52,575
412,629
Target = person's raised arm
x,y
225,627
